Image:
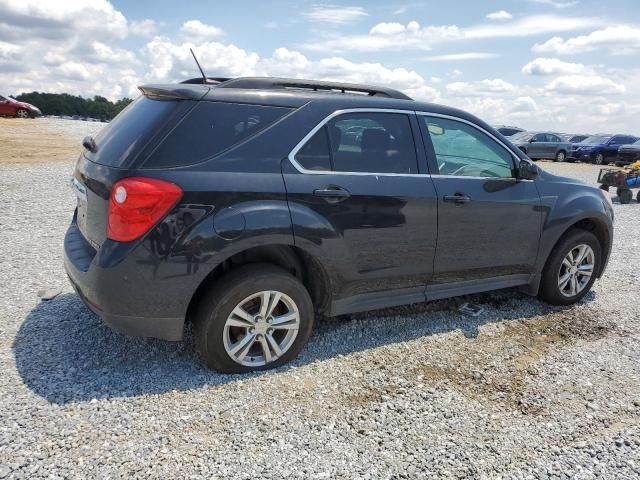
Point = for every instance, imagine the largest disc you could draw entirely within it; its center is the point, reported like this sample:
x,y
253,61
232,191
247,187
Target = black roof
x,y
296,93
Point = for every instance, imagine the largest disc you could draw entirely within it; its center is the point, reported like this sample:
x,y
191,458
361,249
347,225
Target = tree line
x,y
65,104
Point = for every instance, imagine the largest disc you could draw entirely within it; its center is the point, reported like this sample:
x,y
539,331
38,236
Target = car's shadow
x,y
64,353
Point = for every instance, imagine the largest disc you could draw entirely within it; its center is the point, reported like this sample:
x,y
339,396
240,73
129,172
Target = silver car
x,y
539,145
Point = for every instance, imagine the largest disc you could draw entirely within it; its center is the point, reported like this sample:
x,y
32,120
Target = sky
x,y
563,65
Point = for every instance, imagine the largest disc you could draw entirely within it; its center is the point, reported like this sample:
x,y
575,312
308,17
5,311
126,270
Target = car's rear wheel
x,y
22,113
560,156
571,268
255,318
638,196
599,159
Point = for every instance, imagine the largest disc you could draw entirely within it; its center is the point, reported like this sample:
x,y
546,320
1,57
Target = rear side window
x,y
367,142
314,155
210,129
372,142
129,132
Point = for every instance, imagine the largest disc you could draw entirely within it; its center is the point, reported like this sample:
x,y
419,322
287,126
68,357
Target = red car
x,y
10,107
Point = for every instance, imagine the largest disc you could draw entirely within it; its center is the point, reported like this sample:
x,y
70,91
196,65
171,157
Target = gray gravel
x,y
523,390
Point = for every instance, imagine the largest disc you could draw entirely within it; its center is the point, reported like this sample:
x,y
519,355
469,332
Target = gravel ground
x,y
523,390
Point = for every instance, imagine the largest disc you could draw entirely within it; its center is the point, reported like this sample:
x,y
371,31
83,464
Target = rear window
x,y
129,132
210,129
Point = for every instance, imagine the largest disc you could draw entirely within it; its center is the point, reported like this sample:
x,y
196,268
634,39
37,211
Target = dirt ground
x,y
42,139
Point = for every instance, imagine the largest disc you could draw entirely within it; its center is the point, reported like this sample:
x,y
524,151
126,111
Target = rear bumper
x,y
115,294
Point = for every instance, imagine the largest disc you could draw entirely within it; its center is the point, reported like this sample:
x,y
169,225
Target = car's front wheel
x,y
255,318
599,159
571,268
22,113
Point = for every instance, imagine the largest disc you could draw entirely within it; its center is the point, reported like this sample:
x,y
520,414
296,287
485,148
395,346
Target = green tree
x,y
65,104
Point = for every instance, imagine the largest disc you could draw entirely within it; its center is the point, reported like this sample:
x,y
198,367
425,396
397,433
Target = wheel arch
x,y
300,263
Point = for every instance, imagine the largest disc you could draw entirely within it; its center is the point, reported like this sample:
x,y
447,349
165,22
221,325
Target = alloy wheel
x,y
599,159
576,270
22,114
261,328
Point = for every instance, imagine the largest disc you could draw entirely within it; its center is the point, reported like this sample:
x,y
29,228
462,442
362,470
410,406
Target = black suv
x,y
248,204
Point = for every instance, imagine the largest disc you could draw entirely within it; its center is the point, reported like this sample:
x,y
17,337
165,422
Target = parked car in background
x,y
599,149
573,138
10,107
246,205
508,131
539,145
628,154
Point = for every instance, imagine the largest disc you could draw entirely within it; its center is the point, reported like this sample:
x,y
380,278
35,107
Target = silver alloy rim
x,y
576,270
22,114
599,159
561,156
261,328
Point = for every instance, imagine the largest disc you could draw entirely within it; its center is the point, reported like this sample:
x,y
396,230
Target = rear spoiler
x,y
172,92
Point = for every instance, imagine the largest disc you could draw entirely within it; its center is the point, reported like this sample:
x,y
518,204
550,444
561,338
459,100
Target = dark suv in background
x,y
599,149
247,205
539,145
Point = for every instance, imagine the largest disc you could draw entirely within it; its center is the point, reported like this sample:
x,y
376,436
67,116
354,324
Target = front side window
x,y
368,142
540,137
463,150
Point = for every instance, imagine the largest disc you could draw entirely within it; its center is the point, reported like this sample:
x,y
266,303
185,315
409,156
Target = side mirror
x,y
527,170
532,140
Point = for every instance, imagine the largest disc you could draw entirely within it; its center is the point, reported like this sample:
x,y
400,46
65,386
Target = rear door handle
x,y
332,194
457,198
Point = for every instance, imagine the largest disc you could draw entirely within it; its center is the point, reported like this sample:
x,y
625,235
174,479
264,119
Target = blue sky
x,y
569,65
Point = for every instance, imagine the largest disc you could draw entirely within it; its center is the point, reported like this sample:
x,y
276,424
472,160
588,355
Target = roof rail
x,y
210,80
272,83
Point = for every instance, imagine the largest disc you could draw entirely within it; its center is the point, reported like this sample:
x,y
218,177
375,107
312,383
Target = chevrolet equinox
x,y
247,205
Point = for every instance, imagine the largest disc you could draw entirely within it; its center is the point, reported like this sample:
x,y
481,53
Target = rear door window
x,y
210,129
372,142
314,155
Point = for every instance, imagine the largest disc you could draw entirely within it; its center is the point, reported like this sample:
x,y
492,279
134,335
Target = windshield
x,y
596,139
521,137
637,142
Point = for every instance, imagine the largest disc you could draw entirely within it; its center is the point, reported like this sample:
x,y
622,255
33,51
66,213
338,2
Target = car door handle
x,y
332,194
457,198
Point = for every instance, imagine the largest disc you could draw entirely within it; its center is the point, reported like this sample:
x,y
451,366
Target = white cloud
x,y
144,28
619,40
552,66
585,85
500,15
558,3
335,14
461,57
196,30
524,104
480,88
397,36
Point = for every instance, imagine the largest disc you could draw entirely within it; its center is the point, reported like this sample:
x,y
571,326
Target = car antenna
x,y
204,77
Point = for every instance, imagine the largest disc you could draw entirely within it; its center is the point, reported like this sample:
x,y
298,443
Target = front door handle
x,y
332,194
457,198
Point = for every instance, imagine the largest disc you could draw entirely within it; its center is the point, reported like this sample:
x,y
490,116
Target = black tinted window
x,y
211,128
540,137
627,140
129,132
314,155
372,142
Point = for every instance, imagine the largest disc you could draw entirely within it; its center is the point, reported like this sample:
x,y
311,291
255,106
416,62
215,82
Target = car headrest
x,y
375,139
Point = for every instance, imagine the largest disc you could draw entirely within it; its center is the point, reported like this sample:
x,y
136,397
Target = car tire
x,y
625,196
599,159
560,156
554,287
220,333
22,113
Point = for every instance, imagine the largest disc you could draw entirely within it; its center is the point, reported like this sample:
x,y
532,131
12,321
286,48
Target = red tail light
x,y
136,204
